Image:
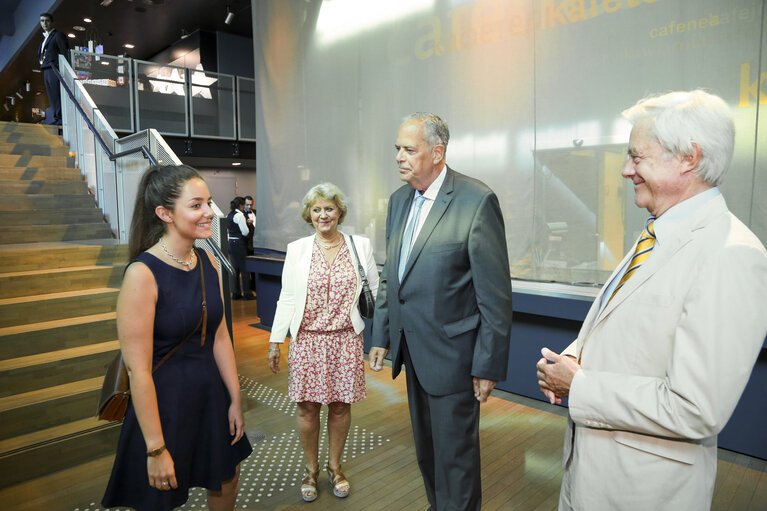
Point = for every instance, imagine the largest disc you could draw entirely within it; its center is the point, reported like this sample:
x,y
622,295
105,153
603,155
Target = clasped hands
x,y
555,374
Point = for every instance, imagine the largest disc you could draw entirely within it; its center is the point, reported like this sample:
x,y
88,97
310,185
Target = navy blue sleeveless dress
x,y
192,399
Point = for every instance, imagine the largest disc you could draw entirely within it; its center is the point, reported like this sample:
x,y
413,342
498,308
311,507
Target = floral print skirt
x,y
326,367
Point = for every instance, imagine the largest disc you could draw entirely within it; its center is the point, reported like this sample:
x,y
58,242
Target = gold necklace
x,y
328,247
188,263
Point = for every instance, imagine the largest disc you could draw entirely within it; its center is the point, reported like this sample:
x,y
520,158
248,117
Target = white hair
x,y
683,118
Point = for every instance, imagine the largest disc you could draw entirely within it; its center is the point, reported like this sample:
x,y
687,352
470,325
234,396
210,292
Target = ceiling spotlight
x,y
71,35
106,3
104,62
129,46
236,163
19,95
28,86
184,34
13,100
79,28
229,16
87,20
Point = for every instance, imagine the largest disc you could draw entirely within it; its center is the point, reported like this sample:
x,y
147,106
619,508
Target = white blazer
x,y
295,276
663,367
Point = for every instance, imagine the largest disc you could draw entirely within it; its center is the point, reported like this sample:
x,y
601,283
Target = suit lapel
x,y
441,202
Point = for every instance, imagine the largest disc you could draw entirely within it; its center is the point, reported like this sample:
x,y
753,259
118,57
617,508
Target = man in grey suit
x,y
443,308
668,345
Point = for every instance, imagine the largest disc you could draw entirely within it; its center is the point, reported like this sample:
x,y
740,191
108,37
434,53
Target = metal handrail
x,y
112,156
142,149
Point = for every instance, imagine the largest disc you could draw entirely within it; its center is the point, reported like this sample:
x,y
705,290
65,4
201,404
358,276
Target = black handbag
x,y
367,303
115,391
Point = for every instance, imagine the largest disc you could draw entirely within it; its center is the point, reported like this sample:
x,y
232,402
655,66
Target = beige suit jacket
x,y
663,367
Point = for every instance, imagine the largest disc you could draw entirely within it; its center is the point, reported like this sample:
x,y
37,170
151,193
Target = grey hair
x,y
686,117
323,191
435,130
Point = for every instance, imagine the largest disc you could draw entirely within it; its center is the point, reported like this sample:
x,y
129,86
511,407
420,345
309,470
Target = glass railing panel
x,y
246,109
130,168
108,82
212,105
161,98
86,142
108,199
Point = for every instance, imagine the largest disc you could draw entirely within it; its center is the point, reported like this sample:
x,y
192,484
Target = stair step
x,y
45,336
37,148
52,406
13,202
34,372
22,160
29,173
75,480
34,256
46,451
36,187
13,234
58,280
54,306
7,127
51,216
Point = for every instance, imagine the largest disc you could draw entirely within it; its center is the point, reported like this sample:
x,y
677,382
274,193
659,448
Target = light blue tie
x,y
407,239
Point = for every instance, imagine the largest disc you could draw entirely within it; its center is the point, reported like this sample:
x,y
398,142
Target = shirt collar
x,y
433,189
675,216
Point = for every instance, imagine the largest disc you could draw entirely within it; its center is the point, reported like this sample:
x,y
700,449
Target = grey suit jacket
x,y
663,367
454,303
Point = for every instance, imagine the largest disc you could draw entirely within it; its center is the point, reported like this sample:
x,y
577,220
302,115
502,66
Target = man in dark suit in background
x,y
54,44
443,308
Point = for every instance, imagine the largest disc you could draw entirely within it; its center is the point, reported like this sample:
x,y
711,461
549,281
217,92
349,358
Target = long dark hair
x,y
236,203
160,186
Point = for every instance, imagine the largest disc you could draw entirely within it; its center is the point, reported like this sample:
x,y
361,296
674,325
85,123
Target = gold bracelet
x,y
156,452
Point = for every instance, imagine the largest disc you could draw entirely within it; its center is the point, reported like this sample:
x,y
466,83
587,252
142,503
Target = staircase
x,y
60,274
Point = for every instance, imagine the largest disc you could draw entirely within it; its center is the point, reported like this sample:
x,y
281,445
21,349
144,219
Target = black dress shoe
x,y
237,297
250,297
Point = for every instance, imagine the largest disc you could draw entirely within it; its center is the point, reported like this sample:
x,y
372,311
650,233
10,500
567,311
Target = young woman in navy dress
x,y
184,426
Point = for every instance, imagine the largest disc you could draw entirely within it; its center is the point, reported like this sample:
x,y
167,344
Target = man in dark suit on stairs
x,y
443,308
54,44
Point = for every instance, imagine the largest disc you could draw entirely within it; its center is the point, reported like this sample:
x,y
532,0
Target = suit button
x,y
401,301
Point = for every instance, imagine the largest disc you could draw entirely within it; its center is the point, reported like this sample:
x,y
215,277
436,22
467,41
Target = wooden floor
x,y
521,451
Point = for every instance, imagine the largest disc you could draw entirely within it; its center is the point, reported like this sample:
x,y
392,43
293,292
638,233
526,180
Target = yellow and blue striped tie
x,y
644,247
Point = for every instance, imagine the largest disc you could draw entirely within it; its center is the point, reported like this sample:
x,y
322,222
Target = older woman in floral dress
x,y
318,304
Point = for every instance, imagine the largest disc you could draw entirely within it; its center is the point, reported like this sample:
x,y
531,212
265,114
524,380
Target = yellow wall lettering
x,y
749,88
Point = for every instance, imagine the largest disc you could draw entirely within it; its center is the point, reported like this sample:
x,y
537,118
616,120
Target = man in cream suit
x,y
668,346
444,308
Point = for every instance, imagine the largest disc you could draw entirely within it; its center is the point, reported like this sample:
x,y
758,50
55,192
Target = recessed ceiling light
x,y
79,28
71,35
129,45
236,163
104,63
87,20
